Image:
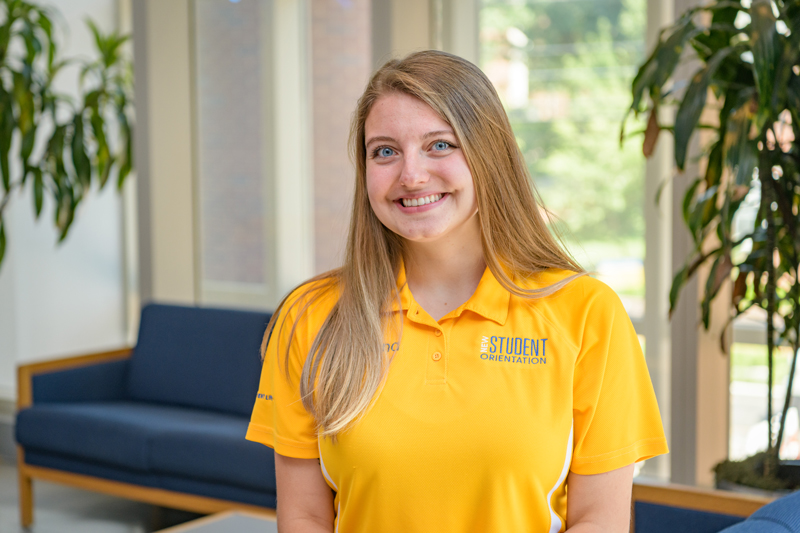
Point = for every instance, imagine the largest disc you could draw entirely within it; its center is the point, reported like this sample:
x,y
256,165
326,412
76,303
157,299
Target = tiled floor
x,y
59,509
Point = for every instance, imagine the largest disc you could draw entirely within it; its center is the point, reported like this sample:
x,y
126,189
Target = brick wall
x,y
341,63
230,140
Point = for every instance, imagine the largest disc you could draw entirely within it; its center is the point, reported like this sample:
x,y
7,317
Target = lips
x,y
418,202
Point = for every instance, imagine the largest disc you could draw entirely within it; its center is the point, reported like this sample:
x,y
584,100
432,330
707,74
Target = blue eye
x,y
385,151
441,145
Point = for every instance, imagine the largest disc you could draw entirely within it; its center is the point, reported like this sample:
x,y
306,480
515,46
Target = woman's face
x,y
418,181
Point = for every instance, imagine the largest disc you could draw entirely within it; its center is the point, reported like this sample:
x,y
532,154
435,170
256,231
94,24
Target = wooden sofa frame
x,y
161,497
697,499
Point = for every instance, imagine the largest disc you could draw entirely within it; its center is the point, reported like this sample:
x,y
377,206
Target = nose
x,y
413,172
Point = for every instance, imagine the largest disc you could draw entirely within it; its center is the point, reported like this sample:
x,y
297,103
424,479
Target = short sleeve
x,y
615,414
279,419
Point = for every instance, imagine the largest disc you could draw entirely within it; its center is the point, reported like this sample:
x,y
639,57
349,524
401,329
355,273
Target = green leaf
x,y
38,191
793,93
678,282
24,99
98,37
662,62
104,159
55,67
81,162
741,151
127,164
720,31
788,58
92,99
766,52
2,240
692,105
28,141
668,55
126,156
7,125
705,304
65,213
47,27
792,19
702,212
714,167
688,199
720,271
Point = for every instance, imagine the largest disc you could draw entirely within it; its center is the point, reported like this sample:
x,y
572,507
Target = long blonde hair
x,y
346,364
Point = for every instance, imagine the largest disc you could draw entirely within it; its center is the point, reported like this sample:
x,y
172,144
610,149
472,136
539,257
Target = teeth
x,y
425,200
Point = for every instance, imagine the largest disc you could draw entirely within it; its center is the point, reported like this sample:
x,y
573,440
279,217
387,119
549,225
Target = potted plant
x,y
61,146
745,94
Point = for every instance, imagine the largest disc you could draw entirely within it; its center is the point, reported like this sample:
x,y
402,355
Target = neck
x,y
442,277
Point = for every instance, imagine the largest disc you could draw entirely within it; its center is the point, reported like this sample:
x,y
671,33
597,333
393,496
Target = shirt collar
x,y
490,299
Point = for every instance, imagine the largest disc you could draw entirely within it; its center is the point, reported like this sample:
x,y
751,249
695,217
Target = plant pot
x,y
744,489
749,472
790,471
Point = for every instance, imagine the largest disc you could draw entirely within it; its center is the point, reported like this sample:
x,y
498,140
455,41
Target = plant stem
x,y
789,386
765,174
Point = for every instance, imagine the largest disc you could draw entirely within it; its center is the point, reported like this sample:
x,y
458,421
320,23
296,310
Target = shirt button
x,y
438,333
437,356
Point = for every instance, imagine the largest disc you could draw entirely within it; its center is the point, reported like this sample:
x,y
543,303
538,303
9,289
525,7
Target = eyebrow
x,y
428,135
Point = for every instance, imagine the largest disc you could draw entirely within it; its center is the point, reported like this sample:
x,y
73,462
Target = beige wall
x,y
164,151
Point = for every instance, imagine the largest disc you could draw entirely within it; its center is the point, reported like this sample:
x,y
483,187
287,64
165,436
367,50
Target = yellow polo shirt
x,y
482,414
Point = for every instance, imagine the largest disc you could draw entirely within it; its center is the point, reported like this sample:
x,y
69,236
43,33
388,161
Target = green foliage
x,y
583,53
746,94
63,146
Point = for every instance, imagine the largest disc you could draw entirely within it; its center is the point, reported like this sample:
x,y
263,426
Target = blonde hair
x,y
346,364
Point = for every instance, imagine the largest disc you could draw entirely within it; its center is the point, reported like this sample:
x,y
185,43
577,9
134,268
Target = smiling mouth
x,y
425,200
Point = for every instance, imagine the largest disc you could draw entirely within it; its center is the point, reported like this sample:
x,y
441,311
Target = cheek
x,y
375,193
377,185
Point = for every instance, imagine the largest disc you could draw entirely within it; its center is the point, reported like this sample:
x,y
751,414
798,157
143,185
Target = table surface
x,y
228,522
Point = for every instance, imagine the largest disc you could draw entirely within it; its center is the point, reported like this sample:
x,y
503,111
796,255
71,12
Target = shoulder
x,y
307,306
581,304
316,293
572,289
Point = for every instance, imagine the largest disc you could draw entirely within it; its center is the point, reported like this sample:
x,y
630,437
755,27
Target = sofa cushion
x,y
114,433
150,438
89,468
195,357
216,452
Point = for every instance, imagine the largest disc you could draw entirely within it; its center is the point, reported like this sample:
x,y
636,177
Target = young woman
x,y
459,373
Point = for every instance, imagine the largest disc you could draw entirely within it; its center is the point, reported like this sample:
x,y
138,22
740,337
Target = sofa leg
x,y
25,501
25,493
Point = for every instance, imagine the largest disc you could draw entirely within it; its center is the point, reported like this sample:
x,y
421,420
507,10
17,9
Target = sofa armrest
x,y
98,376
698,498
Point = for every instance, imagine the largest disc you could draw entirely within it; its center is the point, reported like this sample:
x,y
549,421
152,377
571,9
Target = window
x,y
563,70
232,166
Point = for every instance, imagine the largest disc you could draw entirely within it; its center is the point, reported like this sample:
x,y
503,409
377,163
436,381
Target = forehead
x,y
395,114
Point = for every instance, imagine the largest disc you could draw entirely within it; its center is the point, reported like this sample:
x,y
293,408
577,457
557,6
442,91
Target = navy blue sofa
x,y
669,508
163,422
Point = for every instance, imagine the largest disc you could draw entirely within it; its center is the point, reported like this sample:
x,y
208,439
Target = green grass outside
x,y
590,253
749,363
